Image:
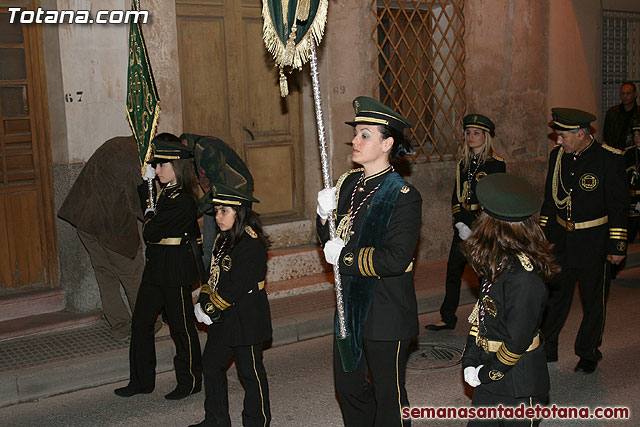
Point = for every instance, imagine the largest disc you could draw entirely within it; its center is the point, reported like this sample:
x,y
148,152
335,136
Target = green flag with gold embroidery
x,y
143,103
289,28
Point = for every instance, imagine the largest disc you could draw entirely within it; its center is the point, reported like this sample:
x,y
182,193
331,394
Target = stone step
x,y
295,262
31,303
48,322
300,285
288,234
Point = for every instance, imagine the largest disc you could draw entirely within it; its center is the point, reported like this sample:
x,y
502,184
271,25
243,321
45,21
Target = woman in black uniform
x,y
378,215
234,304
171,233
477,161
504,359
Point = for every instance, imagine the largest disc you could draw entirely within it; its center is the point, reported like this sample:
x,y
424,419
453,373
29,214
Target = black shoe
x,y
585,366
434,327
129,391
181,392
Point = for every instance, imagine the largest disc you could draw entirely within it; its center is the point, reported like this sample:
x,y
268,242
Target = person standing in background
x,y
617,122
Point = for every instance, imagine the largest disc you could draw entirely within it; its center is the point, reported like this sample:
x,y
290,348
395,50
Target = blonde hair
x,y
486,153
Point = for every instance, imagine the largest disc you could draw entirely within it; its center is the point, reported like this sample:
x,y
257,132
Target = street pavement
x,y
301,384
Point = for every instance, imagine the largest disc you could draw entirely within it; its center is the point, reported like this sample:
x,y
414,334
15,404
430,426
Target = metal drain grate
x,y
434,356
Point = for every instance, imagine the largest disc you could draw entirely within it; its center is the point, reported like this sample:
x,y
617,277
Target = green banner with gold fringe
x,y
290,26
143,103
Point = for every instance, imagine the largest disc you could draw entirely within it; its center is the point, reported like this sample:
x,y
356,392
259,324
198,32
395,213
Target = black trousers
x,y
486,399
378,403
593,282
455,268
216,358
178,307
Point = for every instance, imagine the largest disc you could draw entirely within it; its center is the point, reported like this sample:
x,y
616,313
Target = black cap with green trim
x,y
478,121
372,112
507,197
570,119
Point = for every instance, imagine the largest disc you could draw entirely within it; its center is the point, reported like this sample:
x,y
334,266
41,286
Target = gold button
x,y
571,174
360,189
351,233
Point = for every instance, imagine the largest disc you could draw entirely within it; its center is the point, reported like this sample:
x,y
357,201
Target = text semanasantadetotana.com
x,y
521,412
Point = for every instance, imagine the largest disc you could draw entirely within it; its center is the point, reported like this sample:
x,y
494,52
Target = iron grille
x,y
620,54
420,68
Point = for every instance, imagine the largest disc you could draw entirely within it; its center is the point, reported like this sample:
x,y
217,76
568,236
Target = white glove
x,y
463,231
332,250
637,208
471,375
200,315
326,202
150,173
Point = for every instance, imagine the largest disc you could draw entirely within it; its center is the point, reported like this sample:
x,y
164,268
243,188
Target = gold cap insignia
x,y
356,106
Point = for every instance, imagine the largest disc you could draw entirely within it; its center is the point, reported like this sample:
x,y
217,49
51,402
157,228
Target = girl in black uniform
x,y
477,161
503,358
378,215
170,233
234,304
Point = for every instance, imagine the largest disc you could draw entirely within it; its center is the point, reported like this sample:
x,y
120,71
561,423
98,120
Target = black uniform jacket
x,y
167,233
632,163
595,179
393,314
240,293
513,307
464,208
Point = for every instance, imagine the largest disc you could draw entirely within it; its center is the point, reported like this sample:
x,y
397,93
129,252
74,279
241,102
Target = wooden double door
x,y
230,90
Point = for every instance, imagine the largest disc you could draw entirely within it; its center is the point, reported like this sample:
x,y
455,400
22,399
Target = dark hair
x,y
245,216
494,246
632,84
185,176
167,137
401,146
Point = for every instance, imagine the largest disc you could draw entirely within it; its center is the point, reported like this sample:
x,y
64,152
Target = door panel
x,y
237,98
27,247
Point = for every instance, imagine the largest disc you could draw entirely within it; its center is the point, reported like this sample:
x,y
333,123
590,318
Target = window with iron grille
x,y
421,72
620,54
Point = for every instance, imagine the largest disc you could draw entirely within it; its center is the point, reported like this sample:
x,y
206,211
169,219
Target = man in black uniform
x,y
617,121
585,216
632,163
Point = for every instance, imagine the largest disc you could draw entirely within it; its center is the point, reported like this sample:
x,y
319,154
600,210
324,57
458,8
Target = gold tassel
x,y
303,8
290,49
284,87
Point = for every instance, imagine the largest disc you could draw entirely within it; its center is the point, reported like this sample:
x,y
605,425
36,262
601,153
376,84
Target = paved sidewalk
x,y
39,366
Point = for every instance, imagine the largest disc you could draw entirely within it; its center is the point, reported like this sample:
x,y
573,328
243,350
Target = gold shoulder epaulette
x,y
495,156
344,176
250,232
609,148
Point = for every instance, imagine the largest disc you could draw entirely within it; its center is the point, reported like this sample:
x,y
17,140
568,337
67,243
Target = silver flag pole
x,y
326,180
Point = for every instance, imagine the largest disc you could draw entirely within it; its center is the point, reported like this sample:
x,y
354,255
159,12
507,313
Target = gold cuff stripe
x,y
506,357
624,230
370,262
219,302
360,263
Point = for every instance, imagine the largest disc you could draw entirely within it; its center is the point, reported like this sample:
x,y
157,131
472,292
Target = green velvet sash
x,y
358,291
